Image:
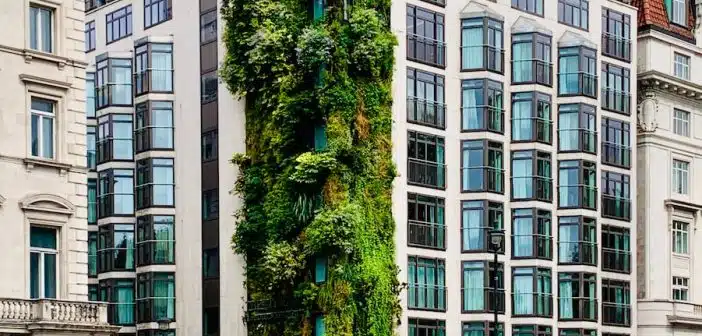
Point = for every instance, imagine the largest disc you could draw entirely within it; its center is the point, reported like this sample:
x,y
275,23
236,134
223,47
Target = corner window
x,y
577,128
208,27
92,254
681,122
426,327
531,117
115,192
680,289
531,234
616,249
210,204
573,13
119,24
154,126
478,218
577,301
616,143
115,248
531,330
482,329
681,177
616,193
616,303
119,295
91,146
616,35
531,59
153,71
482,106
482,167
155,297
577,184
92,201
531,176
577,240
426,284
478,294
425,160
681,237
209,146
113,85
209,83
41,28
114,138
682,66
43,113
155,243
425,221
529,6
616,95
482,45
425,98
577,71
156,11
210,263
531,292
155,186
677,11
90,94
43,262
90,36
425,37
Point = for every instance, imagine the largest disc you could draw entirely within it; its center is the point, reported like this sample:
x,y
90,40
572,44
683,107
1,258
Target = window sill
x,y
30,55
32,163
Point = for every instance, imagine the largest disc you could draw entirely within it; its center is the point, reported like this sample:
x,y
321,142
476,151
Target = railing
x,y
531,129
577,308
426,297
426,112
577,196
616,207
490,301
577,139
266,310
491,179
616,46
616,314
615,100
532,187
426,173
616,260
577,84
426,50
532,71
532,304
425,234
531,246
482,118
490,57
45,310
616,154
577,252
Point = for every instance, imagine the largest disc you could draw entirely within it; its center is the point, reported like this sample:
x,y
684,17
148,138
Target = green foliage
x,y
300,204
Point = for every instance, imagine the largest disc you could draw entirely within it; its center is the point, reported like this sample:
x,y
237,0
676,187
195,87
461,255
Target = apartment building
x,y
516,115
159,208
669,151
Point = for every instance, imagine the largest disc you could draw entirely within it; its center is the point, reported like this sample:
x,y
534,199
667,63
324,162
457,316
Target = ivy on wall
x,y
316,179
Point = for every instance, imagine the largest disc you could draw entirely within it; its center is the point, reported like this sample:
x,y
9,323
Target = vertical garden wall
x,y
316,229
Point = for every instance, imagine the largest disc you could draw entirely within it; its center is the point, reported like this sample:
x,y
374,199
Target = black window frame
x,y
425,233
437,44
90,96
541,48
106,198
424,326
440,285
493,55
541,236
208,26
210,263
545,298
586,251
146,240
93,259
541,127
493,178
586,138
616,206
107,251
587,78
613,153
90,36
524,6
492,217
210,144
108,294
613,45
537,330
585,192
92,206
610,308
144,118
105,83
148,8
611,100
616,259
416,140
418,108
210,204
206,86
542,185
144,299
581,301
145,187
490,300
91,142
106,141
574,5
144,70
487,327
116,17
491,114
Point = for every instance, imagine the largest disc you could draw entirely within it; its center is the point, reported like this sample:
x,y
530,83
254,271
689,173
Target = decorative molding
x,y
2,200
647,110
41,202
31,163
31,79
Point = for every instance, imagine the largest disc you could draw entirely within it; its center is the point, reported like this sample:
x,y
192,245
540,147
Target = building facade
x,y
515,116
43,188
160,176
669,149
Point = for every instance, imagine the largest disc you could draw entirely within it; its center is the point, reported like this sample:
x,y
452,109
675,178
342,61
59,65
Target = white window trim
x,y
674,230
42,257
685,67
675,286
683,122
56,92
678,11
57,27
688,178
40,131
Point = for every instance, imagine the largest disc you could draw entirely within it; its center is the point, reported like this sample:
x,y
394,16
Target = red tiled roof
x,y
652,12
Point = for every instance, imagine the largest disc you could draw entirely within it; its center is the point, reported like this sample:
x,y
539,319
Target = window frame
x,y
415,140
108,251
416,228
208,20
541,221
586,72
41,116
437,44
678,15
540,103
487,328
518,4
540,44
584,226
144,68
92,205
146,131
609,94
583,189
680,231
542,184
92,254
107,142
490,90
213,205
90,99
105,83
611,41
145,187
492,47
106,198
538,274
440,298
42,252
586,113
428,326
681,122
680,173
206,80
91,147
613,153
681,62
613,256
582,279
536,330
608,317
416,103
148,243
116,17
493,177
90,36
574,5
610,180
211,139
148,8
38,39
682,287
108,293
145,297
488,268
492,218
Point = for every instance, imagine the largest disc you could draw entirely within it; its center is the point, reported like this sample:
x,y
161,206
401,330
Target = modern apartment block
x,y
516,116
160,209
669,151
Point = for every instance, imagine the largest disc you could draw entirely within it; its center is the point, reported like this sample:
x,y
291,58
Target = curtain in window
x,y
523,56
568,77
46,26
164,298
473,286
473,230
34,261
543,288
33,25
319,327
162,121
521,120
440,282
474,329
47,140
161,66
523,239
49,276
124,249
473,171
568,239
412,279
421,284
440,227
121,90
522,172
473,111
431,289
125,305
163,186
440,178
568,185
566,303
523,290
568,128
472,45
590,294
163,231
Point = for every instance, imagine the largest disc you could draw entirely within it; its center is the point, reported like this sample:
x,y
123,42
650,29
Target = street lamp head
x,y
496,237
164,324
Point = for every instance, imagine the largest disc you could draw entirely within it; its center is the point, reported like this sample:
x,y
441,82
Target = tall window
x,y
154,126
478,287
482,45
113,85
531,234
93,293
92,201
114,138
482,167
155,243
91,145
616,199
577,71
577,184
577,240
482,106
90,36
577,297
531,292
210,322
90,94
477,219
210,146
616,96
531,117
616,249
680,289
482,329
573,13
677,12
577,128
425,98
155,297
43,262
209,84
41,28
531,176
616,143
425,37
115,192
153,71
616,35
531,58
425,221
119,24
681,178
425,327
119,295
616,303
529,6
426,160
210,204
681,122
531,330
43,113
681,237
427,284
116,248
208,27
210,265
155,186
92,254
682,66
156,11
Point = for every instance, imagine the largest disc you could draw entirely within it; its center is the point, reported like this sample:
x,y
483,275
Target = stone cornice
x,y
653,79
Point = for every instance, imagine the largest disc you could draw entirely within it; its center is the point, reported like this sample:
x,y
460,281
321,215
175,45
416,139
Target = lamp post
x,y
164,324
496,240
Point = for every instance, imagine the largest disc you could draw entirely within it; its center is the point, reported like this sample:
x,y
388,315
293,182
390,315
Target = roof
x,y
653,13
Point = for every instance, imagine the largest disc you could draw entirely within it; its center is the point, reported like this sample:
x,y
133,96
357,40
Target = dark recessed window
x,y
531,292
156,11
529,6
210,321
616,34
119,24
616,143
616,196
577,240
425,37
114,138
209,146
92,201
91,144
531,330
478,218
210,204
155,297
425,221
426,160
425,98
119,295
574,13
478,294
92,255
616,303
577,301
426,284
113,82
155,244
577,72
531,234
482,106
153,71
93,291
531,117
115,193
616,249
531,59
210,263
115,249
90,36
154,126
616,95
209,83
208,27
426,327
482,166
482,45
531,176
155,186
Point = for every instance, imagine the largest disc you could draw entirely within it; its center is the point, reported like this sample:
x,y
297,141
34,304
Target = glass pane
x,y
50,276
47,137
42,237
34,275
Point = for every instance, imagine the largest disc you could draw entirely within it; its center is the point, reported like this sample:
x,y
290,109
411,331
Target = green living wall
x,y
316,229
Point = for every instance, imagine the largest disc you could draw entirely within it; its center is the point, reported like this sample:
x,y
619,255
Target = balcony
x,y
616,155
490,300
532,304
426,235
615,260
616,46
491,58
577,253
426,50
577,84
483,118
577,197
426,112
426,173
269,310
482,179
426,297
532,129
44,315
525,188
577,309
533,71
616,207
616,314
577,140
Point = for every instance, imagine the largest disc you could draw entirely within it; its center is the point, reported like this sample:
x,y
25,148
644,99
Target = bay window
x,y
577,72
155,297
616,91
531,234
577,128
616,143
154,126
577,240
482,106
426,283
577,184
115,192
616,249
153,71
477,293
482,44
119,295
155,186
155,243
115,249
477,219
531,117
482,166
425,98
577,294
616,303
115,138
531,59
425,221
531,176
113,82
616,196
426,160
531,292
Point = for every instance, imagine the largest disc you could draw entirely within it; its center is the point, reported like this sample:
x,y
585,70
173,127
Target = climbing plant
x,y
316,178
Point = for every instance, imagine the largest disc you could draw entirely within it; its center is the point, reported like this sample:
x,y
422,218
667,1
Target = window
x,y
119,24
90,144
115,192
210,204
482,166
577,184
616,96
425,222
531,58
425,154
116,248
682,66
427,284
616,303
150,332
43,113
93,293
155,186
482,45
577,240
422,327
208,87
90,94
425,99
210,263
478,287
92,201
154,126
677,11
680,289
531,176
209,146
318,7
210,321
90,36
320,137
531,117
681,240
119,295
41,28
681,122
616,143
477,219
156,11
681,180
92,254
531,330
482,329
155,243
573,13
531,294
616,191
616,35
577,294
531,234
319,326
208,27
577,128
482,106
320,269
577,332
425,37
43,262
153,72
115,138
577,71
113,86
616,249
155,297
529,6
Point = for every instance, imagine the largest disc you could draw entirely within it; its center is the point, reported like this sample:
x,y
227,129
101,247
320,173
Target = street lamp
x,y
164,324
496,240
